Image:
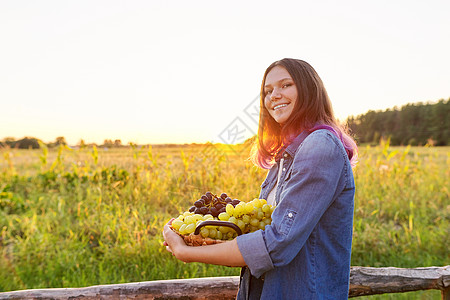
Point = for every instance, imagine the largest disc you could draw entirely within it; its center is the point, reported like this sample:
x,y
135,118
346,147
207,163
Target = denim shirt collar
x,y
287,154
293,146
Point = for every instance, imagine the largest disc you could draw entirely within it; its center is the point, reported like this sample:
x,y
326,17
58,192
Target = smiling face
x,y
280,94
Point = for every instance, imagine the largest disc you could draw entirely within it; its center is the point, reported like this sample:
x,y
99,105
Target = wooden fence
x,y
363,281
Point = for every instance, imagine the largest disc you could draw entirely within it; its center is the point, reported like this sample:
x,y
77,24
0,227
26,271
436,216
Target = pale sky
x,y
189,71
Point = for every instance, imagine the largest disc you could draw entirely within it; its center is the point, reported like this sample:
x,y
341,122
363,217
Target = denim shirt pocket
x,y
287,222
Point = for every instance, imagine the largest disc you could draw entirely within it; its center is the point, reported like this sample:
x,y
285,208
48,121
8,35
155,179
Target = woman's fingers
x,y
170,237
167,230
167,227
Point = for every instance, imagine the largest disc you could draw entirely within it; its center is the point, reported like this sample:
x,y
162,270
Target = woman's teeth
x,y
279,106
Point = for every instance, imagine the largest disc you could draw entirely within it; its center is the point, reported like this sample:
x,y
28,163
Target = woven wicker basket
x,y
195,239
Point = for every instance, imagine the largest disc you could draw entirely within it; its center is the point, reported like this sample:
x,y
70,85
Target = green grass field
x,y
73,218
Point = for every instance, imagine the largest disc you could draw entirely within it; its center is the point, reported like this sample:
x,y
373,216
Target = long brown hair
x,y
313,107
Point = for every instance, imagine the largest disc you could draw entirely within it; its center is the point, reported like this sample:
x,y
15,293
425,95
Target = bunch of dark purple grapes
x,y
212,204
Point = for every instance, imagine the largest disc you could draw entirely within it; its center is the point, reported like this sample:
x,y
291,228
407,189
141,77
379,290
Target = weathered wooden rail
x,y
363,281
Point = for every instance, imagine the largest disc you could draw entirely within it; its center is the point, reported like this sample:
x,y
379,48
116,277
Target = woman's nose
x,y
275,94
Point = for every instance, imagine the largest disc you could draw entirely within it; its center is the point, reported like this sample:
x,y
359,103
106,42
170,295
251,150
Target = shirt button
x,y
285,155
284,169
290,215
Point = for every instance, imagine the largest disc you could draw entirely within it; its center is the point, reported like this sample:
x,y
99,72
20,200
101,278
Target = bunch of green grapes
x,y
248,216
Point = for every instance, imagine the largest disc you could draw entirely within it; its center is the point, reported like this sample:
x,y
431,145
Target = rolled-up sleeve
x,y
308,191
254,251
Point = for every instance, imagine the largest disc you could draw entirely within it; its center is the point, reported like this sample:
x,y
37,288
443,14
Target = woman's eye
x,y
287,85
268,92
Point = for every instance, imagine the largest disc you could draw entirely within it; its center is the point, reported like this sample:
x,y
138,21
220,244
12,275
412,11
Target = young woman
x,y
305,252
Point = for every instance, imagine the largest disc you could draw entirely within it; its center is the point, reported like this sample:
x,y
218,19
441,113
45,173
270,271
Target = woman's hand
x,y
225,254
173,242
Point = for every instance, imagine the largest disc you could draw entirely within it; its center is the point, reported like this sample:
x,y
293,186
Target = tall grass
x,y
71,218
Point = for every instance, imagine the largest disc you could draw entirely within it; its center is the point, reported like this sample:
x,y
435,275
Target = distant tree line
x,y
412,124
30,143
35,143
108,143
25,143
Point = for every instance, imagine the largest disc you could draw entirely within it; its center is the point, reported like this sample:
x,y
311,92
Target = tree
x,y
27,143
60,140
82,144
108,143
8,142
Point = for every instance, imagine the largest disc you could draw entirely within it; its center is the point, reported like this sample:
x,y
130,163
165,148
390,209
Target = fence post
x,y
446,293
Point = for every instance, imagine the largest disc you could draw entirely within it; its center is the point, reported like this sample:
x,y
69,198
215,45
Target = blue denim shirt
x,y
305,252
